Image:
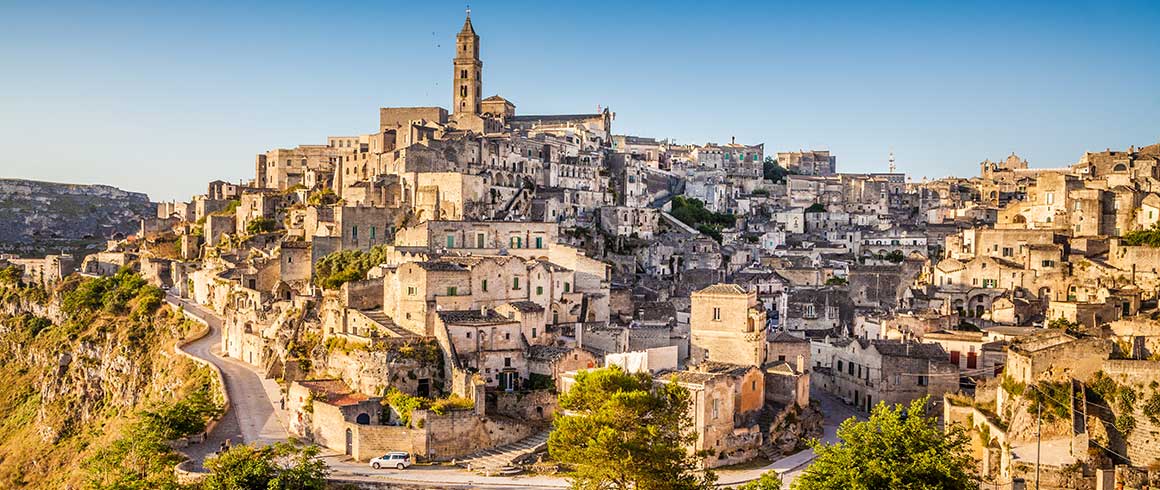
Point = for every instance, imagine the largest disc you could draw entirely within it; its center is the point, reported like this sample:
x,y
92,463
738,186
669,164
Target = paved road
x,y
251,417
836,411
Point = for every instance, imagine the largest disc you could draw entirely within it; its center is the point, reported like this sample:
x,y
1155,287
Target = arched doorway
x,y
362,419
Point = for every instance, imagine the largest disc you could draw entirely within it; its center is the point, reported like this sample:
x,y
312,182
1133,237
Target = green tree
x,y
139,460
772,171
626,432
260,225
281,466
769,480
900,447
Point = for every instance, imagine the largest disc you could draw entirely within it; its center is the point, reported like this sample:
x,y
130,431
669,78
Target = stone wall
x,y
531,406
462,432
372,441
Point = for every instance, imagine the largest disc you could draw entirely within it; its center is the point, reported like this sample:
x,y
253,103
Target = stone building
x,y
728,325
866,372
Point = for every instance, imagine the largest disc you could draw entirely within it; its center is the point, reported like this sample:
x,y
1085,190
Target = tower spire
x,y
468,77
891,161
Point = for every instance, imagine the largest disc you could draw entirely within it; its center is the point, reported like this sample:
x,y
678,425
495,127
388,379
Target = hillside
x,y
37,218
93,388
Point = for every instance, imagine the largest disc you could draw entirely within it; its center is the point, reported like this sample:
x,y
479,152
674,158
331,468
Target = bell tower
x,y
468,86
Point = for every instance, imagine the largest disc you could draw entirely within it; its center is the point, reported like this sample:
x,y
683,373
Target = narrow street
x,y
251,419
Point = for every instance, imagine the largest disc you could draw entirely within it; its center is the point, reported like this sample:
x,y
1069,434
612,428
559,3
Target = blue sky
x,y
162,98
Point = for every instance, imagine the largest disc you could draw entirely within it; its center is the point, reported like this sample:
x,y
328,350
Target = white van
x,y
393,459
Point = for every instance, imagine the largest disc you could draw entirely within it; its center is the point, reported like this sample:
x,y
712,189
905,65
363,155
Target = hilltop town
x,y
434,285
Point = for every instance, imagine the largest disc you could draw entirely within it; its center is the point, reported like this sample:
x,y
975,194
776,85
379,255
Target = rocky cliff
x,y
45,217
78,375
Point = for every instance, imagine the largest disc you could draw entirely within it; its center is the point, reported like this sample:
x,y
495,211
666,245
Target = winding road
x,y
251,417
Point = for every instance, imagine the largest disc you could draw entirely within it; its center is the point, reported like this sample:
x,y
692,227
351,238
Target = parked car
x,y
393,459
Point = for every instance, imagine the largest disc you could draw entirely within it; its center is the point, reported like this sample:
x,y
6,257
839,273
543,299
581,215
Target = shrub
x,y
260,225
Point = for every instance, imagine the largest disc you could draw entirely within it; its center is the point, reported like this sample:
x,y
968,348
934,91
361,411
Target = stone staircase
x,y
499,461
386,324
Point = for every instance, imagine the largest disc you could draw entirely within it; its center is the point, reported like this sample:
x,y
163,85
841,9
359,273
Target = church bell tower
x,y
468,77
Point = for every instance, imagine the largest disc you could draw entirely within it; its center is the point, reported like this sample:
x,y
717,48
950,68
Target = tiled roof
x,y
546,352
723,289
527,306
473,317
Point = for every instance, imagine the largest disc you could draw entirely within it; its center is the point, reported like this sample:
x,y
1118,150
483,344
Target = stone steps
x,y
498,461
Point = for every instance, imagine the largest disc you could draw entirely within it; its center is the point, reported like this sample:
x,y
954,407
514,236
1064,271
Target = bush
x,y
260,225
1149,237
184,418
338,268
692,212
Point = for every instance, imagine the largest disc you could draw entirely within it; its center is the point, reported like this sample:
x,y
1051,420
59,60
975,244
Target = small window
x,y
567,287
717,314
483,285
539,290
922,381
451,290
533,332
515,283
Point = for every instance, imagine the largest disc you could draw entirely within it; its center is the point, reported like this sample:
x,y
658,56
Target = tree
x,y
260,225
772,171
769,480
281,466
900,447
627,432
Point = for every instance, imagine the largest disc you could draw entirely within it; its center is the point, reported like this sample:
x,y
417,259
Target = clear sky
x,y
162,97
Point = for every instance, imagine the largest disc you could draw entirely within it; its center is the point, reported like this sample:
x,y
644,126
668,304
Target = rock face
x,y
44,217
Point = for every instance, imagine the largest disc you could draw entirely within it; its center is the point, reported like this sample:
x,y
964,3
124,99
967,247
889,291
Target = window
x,y
451,290
839,365
463,91
515,283
715,402
450,241
1048,263
533,332
897,379
479,240
1008,251
922,381
717,314
354,233
483,285
507,362
469,334
410,290
567,287
1049,197
539,242
507,336
539,290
